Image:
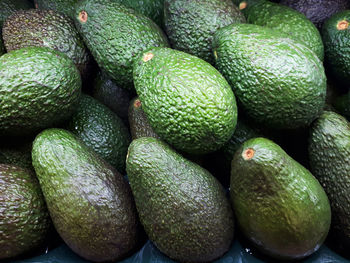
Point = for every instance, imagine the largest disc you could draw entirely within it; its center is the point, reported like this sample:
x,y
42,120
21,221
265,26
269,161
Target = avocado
x,y
188,103
66,7
336,38
280,206
329,150
181,206
317,11
279,83
8,7
102,130
45,28
39,87
115,35
24,219
90,203
105,90
139,124
190,25
294,24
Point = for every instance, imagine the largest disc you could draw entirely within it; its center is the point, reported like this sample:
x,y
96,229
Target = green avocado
x,y
187,101
66,7
90,203
45,28
280,206
329,151
39,87
102,130
116,35
190,25
24,219
182,207
279,83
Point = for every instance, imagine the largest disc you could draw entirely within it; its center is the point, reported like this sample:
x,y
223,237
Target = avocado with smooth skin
x,y
190,25
90,203
188,103
24,219
182,207
66,7
280,206
278,82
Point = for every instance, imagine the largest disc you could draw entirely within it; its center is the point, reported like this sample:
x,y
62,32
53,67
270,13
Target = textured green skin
x,y
279,205
336,43
139,124
110,94
45,28
329,150
8,7
89,202
190,25
317,11
102,130
66,7
18,154
115,35
287,20
24,219
279,82
181,206
187,101
39,87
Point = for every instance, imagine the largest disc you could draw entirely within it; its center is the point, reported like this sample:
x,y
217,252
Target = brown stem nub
x,y
248,154
147,57
342,25
242,5
83,16
137,103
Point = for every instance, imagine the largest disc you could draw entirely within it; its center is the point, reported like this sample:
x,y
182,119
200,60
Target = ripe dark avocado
x,y
187,101
102,130
116,35
336,38
63,6
284,19
45,28
329,151
39,87
24,219
8,7
279,82
190,25
90,203
279,205
139,124
182,207
317,11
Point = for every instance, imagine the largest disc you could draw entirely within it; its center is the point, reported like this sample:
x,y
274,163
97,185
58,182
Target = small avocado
x,y
182,207
63,6
280,206
24,219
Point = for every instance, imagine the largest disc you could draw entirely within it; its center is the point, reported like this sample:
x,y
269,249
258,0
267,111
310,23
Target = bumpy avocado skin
x,y
271,193
115,35
45,28
187,101
190,25
182,207
102,130
39,87
24,219
329,151
278,82
284,19
8,7
66,7
89,202
336,40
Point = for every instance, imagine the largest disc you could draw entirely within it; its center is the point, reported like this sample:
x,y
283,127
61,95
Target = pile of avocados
x,y
189,123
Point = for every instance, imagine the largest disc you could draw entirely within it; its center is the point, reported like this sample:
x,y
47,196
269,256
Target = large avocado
x,y
279,205
182,207
187,101
90,203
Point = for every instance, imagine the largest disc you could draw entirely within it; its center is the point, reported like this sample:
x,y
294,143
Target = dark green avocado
x,y
102,130
182,207
90,203
24,219
63,6
190,25
280,206
39,88
45,28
